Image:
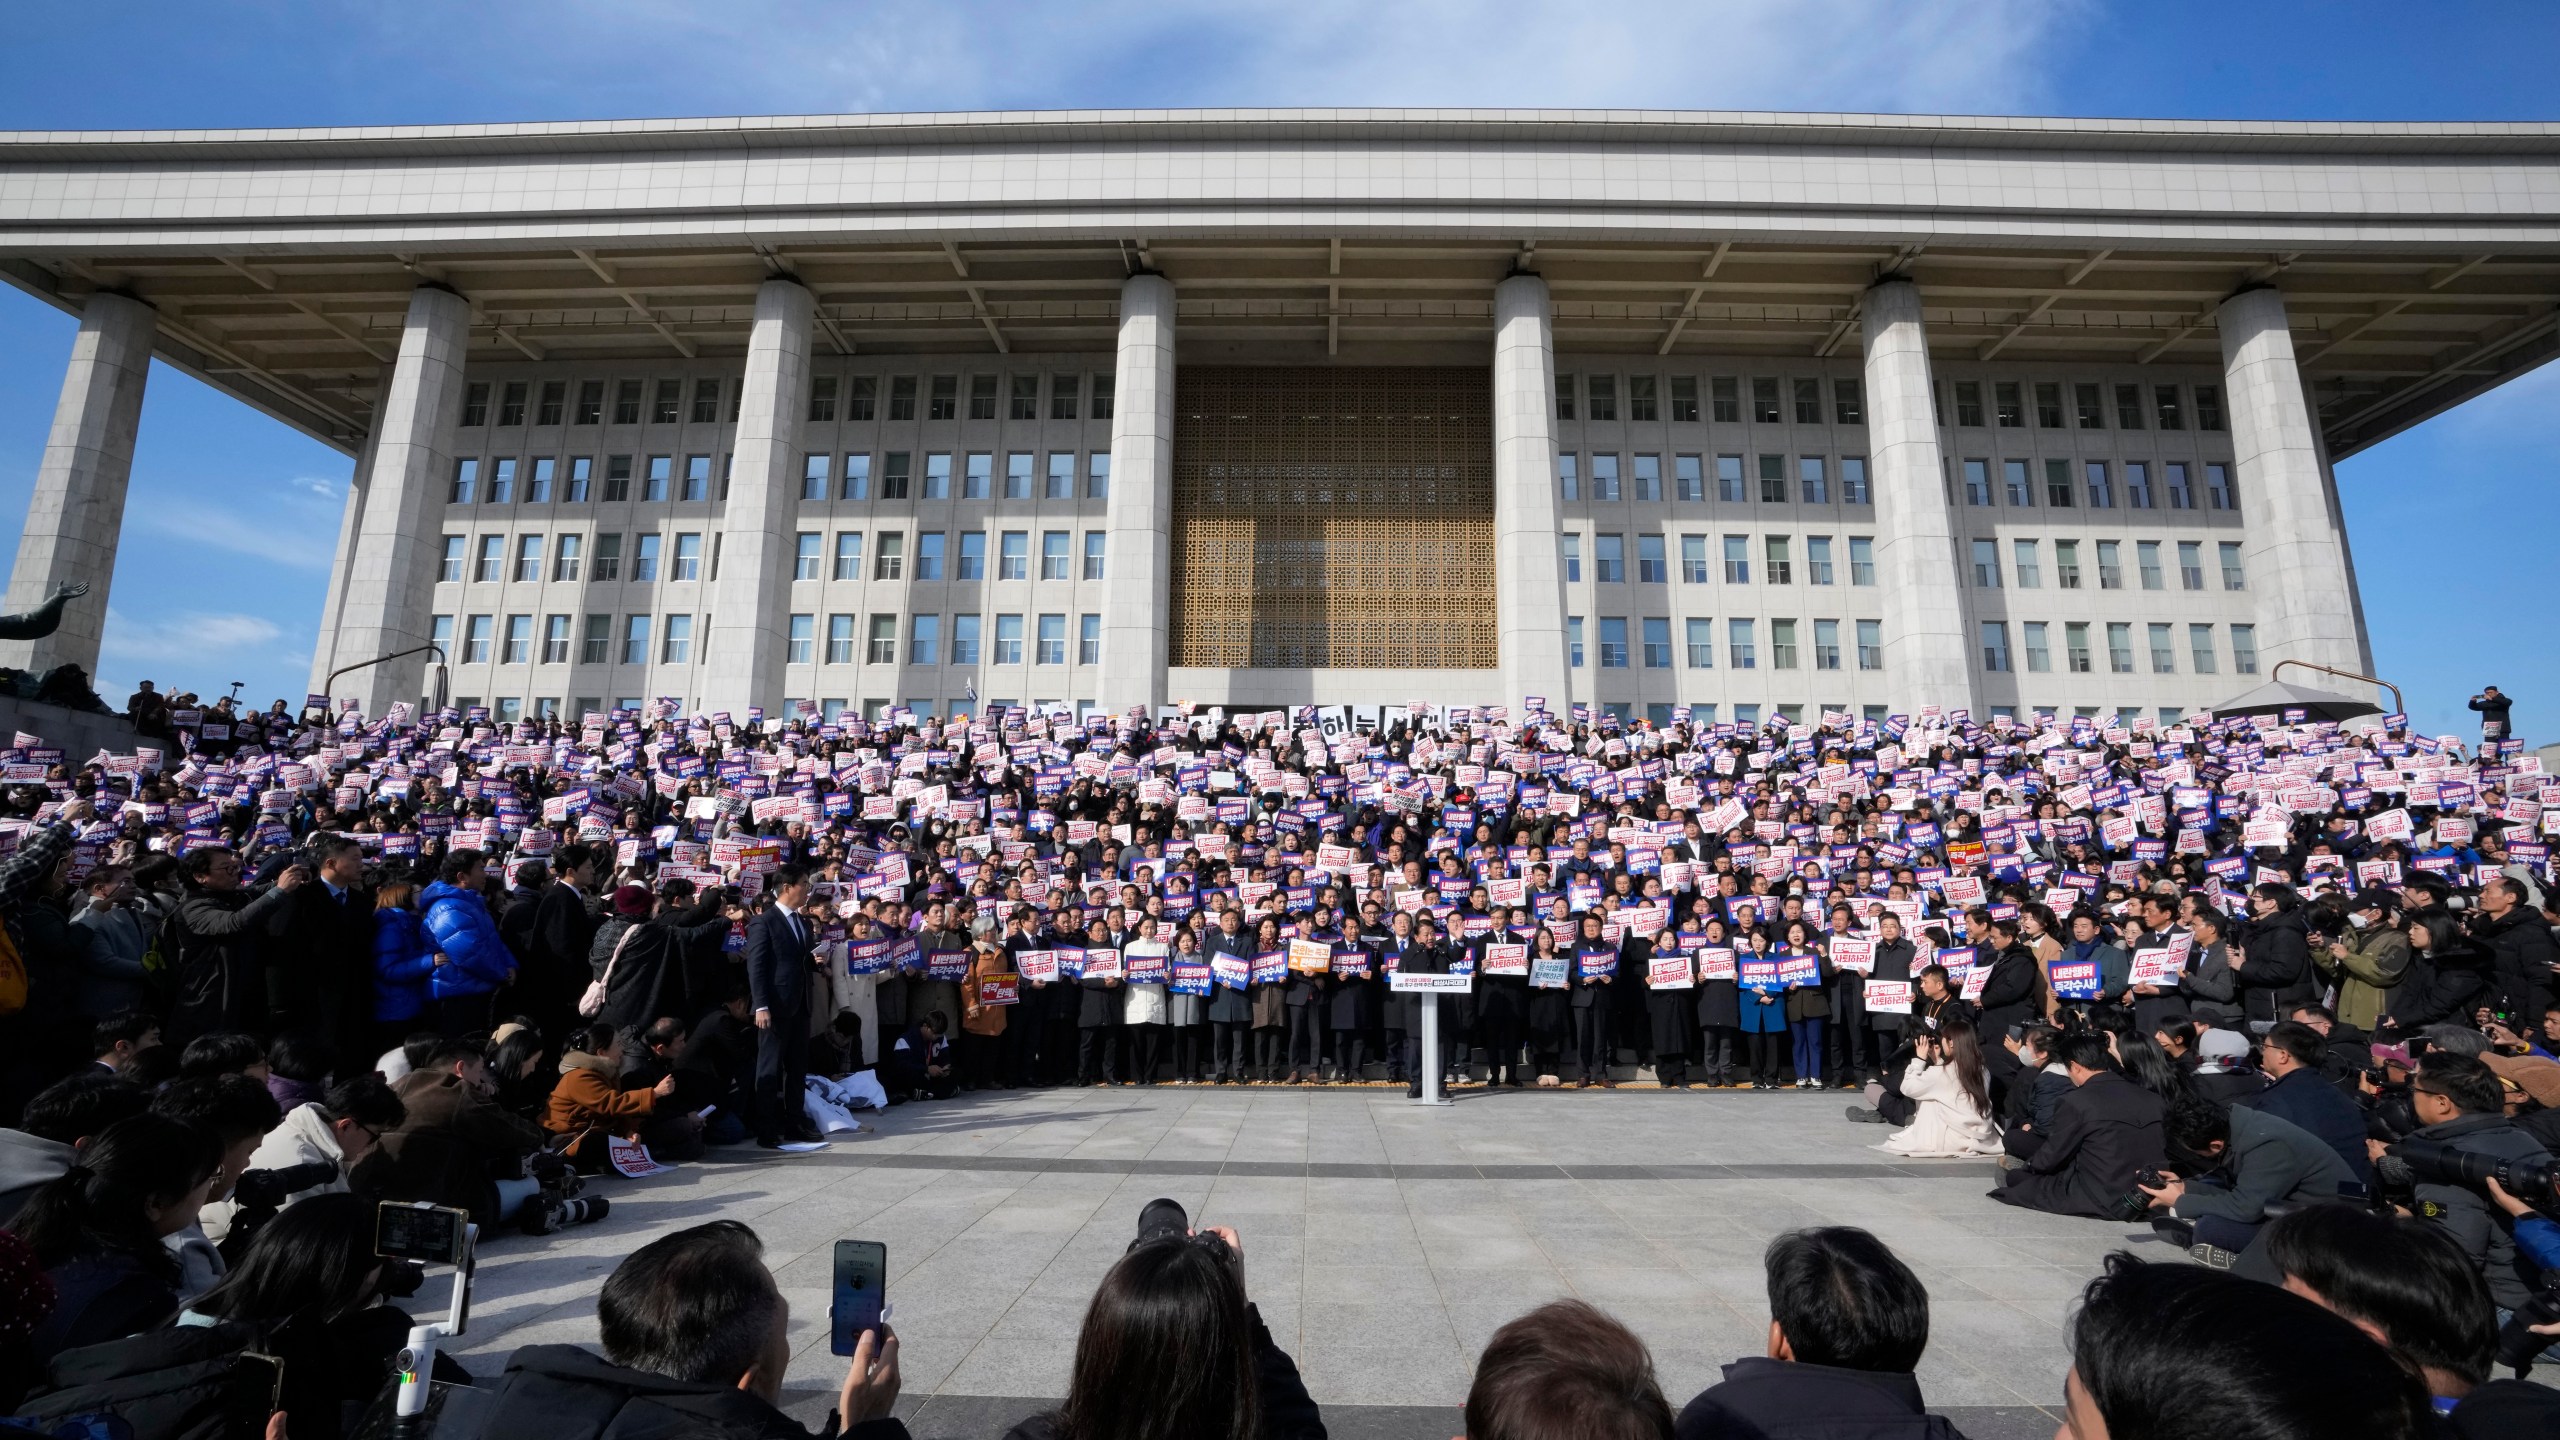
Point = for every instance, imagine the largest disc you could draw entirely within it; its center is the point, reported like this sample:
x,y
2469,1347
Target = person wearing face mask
x,y
2367,961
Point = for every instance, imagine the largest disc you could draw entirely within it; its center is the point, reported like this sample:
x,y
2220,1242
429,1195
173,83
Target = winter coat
x,y
2520,959
477,962
2275,971
1760,1396
304,1138
2269,1159
2369,974
112,975
219,957
404,956
2103,1132
654,975
562,1392
586,1098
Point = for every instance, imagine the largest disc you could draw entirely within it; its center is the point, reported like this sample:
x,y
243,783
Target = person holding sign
x,y
1146,970
1802,970
1669,977
1187,1007
2101,970
1595,968
1550,1015
1718,1000
1764,1006
1502,997
1098,1017
1230,1012
1310,966
1269,996
1355,1008
983,1016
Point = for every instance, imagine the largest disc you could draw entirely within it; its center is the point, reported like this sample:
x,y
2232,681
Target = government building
x,y
1751,414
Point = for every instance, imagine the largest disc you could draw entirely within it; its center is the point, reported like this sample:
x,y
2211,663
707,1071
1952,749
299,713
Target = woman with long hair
x,y
1946,1080
1550,1012
97,1230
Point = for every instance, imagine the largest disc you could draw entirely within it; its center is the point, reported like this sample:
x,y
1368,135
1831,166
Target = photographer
x,y
455,1146
2246,1161
2460,1104
2368,960
317,1144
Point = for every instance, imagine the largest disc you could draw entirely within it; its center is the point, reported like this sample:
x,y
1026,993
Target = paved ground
x,y
1384,1242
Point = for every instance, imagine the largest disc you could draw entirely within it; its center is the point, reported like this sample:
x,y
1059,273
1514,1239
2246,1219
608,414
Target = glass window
x,y
1848,402
1773,479
697,477
1781,570
1094,541
2039,657
1729,478
2164,405
1569,475
1008,640
492,559
1097,475
848,555
519,641
2244,649
1870,644
1737,559
2008,405
1052,640
2218,489
889,556
813,476
1102,388
454,545
857,478
1017,475
1025,392
1573,641
1647,470
1651,567
635,640
626,402
964,636
1657,644
929,553
1640,398
2191,564
2120,647
661,470
2128,407
1603,393
1684,399
1986,564
893,475
973,556
1564,397
688,558
1013,555
1813,483
1995,646
1693,559
2075,645
1817,560
475,403
2066,564
2146,557
1862,560
595,641
502,482
1571,545
2049,406
668,406
590,409
1808,402
924,640
880,647
1088,639
706,402
839,639
1688,477
1701,637
581,475
677,646
608,557
1977,482
2200,648
1740,653
1609,558
942,400
2137,485
617,478
937,477
440,631
1604,477
466,480
1053,555
1726,396
1764,402
2110,565
475,639
1061,484
2022,557
2019,490
2233,577
2208,407
977,476
1853,481
822,398
801,643
537,485
1613,642
2164,654
2091,408
2057,484
1969,403
528,559
2102,492
1826,644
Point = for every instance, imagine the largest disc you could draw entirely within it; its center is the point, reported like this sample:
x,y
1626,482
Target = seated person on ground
x,y
1564,1371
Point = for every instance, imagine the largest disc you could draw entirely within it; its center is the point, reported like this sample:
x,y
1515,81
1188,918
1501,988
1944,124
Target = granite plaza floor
x,y
1384,1242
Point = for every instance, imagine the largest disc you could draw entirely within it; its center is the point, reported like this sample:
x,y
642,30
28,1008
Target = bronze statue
x,y
42,620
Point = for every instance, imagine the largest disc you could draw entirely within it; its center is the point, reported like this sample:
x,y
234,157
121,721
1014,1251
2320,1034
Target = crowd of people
x,y
2206,974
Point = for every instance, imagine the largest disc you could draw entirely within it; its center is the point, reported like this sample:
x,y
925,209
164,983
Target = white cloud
x,y
187,636
294,523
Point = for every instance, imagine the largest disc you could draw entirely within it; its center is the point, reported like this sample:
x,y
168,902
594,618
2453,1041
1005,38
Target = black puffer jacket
x,y
2275,971
561,1392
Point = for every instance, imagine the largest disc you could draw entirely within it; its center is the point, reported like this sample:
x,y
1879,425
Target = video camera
x,y
258,1194
2532,1179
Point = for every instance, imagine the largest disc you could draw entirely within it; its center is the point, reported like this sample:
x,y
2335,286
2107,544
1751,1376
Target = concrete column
x,y
2295,547
77,511
747,635
1528,575
1928,658
1137,598
391,576
324,654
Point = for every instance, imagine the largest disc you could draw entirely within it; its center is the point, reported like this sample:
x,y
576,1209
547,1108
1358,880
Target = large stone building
x,y
1760,413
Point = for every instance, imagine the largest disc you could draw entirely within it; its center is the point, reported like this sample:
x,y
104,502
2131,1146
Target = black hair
x,y
2286,898
368,1101
416,1048
784,878
508,1055
458,864
102,1203
448,1053
198,861
696,1305
2470,1084
1844,1299
1166,1348
2178,1028
125,1027
594,1039
2295,1039
224,1052
301,1055
80,1105
667,1029
2149,1066
2193,1122
531,873
314,1261
230,1108
2086,1050
2407,1278
2183,1350
2043,1039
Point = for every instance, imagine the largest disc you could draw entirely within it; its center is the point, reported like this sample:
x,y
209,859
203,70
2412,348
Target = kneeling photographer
x,y
2243,1162
2463,1133
309,1154
458,1147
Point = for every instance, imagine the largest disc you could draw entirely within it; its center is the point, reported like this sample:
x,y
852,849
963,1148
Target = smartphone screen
x,y
862,1287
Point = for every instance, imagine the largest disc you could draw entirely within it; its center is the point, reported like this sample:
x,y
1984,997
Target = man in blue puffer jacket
x,y
477,962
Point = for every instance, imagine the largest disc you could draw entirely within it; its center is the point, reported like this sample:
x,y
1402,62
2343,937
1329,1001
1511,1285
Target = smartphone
x,y
252,1391
862,1291
431,1234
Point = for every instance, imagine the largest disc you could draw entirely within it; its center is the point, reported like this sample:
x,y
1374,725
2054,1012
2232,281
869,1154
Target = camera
x,y
2133,1206
268,1189
2518,1346
2532,1179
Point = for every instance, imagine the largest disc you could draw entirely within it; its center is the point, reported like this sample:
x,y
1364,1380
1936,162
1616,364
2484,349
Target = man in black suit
x,y
322,980
1421,953
557,966
780,944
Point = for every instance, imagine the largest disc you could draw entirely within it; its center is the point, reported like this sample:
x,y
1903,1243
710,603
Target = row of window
x,y
2162,638
851,397
573,480
2027,569
2055,405
1785,649
1809,481
680,557
2175,487
512,639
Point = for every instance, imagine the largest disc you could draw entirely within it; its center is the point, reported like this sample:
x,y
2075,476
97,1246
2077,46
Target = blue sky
x,y
232,517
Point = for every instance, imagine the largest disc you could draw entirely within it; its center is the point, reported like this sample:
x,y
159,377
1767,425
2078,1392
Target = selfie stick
x,y
417,1360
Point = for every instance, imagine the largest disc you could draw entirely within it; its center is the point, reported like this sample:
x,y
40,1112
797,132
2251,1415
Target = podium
x,y
1430,986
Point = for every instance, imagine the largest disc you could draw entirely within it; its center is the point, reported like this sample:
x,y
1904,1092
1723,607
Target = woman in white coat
x,y
1946,1080
1145,1010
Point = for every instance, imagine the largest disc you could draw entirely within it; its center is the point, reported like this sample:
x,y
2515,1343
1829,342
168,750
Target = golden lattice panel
x,y
1333,518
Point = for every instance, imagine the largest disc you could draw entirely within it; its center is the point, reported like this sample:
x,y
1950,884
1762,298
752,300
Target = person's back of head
x,y
230,1108
1166,1348
115,1196
2183,1350
2085,1051
697,1306
2406,1282
303,1057
367,1100
1838,1296
1565,1371
224,1052
2459,1040
314,1261
124,1028
78,1106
